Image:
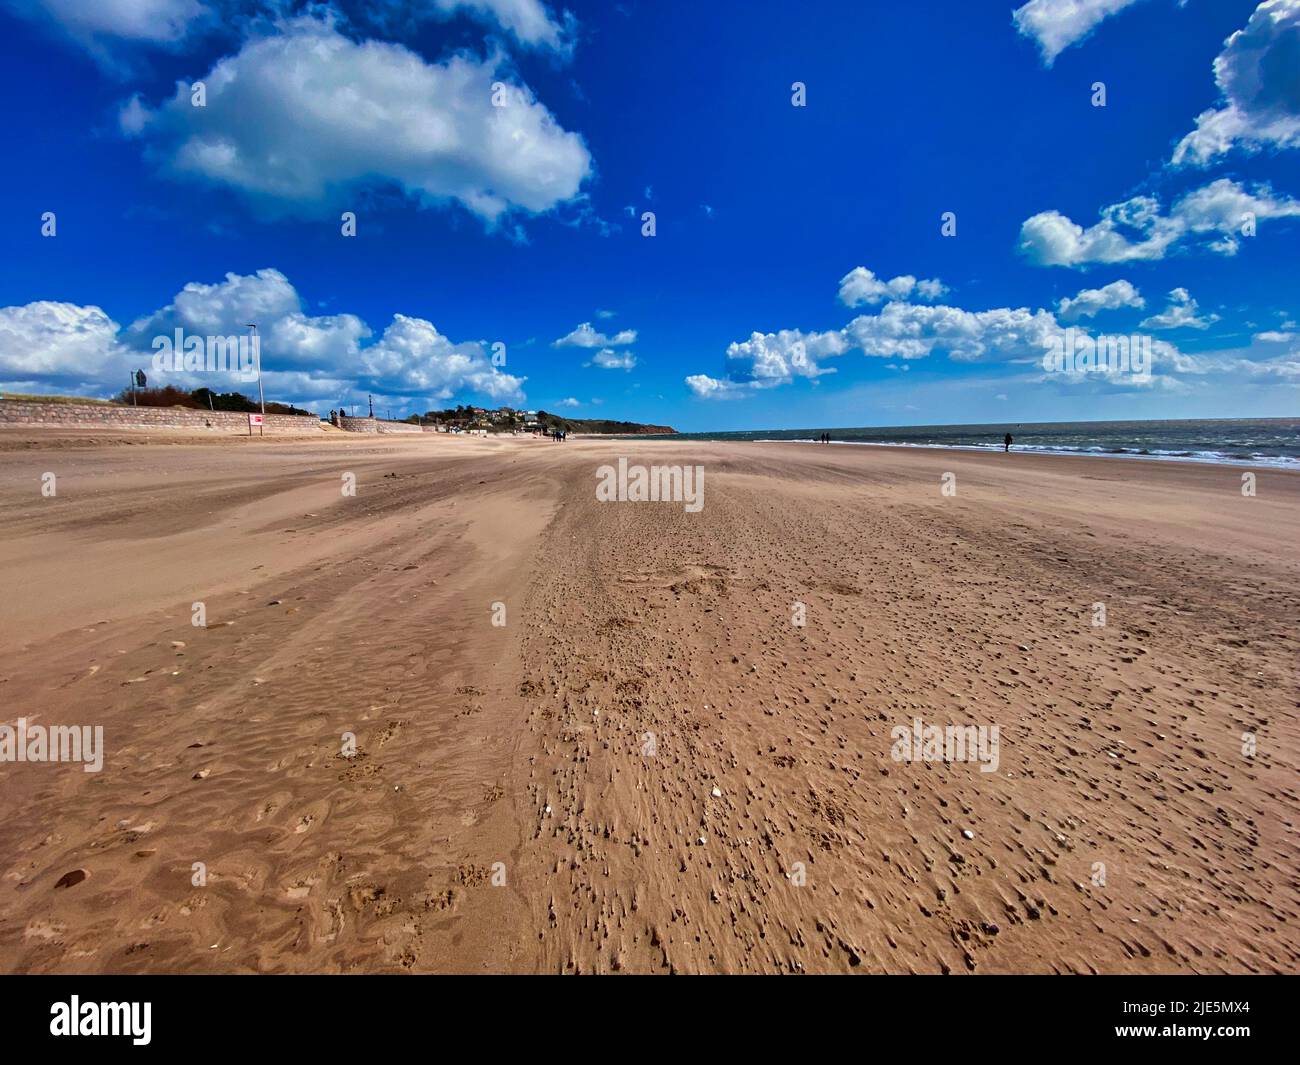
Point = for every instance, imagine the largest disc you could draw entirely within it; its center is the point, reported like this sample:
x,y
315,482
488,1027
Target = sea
x,y
1230,441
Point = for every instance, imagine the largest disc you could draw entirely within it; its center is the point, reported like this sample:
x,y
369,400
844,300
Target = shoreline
x,y
1275,463
24,438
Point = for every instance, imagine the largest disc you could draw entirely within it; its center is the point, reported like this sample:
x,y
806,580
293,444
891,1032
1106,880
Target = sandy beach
x,y
624,737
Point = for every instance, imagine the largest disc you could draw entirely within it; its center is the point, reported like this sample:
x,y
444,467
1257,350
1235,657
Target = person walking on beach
x,y
1007,441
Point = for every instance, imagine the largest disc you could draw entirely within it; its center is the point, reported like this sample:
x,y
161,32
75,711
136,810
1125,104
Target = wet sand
x,y
649,767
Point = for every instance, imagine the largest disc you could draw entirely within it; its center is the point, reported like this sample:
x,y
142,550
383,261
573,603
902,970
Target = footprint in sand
x,y
71,879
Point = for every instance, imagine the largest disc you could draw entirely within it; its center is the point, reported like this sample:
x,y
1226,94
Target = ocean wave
x,y
1217,458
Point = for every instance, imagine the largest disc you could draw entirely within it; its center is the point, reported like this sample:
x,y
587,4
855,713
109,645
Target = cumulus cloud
x,y
305,358
1057,24
1273,336
767,360
413,358
298,120
586,336
1216,215
860,286
1257,75
908,331
1182,313
901,332
61,344
1093,300
609,359
706,387
267,298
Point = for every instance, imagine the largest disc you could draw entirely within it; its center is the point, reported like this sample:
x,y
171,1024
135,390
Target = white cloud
x,y
1182,313
61,342
1049,238
569,402
767,360
266,298
609,359
585,336
706,387
1136,230
1274,337
304,357
528,20
297,121
898,330
1057,24
908,331
413,358
1283,368
1092,300
1257,74
94,24
860,286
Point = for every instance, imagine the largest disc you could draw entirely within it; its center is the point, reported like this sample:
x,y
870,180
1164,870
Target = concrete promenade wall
x,y
15,412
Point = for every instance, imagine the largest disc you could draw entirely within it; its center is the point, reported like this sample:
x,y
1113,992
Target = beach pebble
x,y
967,833
717,793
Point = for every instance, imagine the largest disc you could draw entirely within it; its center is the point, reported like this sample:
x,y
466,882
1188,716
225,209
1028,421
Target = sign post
x,y
255,419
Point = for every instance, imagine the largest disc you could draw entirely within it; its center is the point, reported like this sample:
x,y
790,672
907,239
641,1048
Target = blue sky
x,y
798,275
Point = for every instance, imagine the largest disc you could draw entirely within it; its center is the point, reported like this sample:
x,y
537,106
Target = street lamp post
x,y
261,399
257,355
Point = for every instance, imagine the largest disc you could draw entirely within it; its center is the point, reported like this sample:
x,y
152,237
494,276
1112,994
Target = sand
x,y
649,767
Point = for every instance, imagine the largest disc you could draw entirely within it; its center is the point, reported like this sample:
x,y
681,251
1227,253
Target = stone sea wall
x,y
19,412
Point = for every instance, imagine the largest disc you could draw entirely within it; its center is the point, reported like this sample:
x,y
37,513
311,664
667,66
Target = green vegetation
x,y
551,422
507,420
200,399
53,399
